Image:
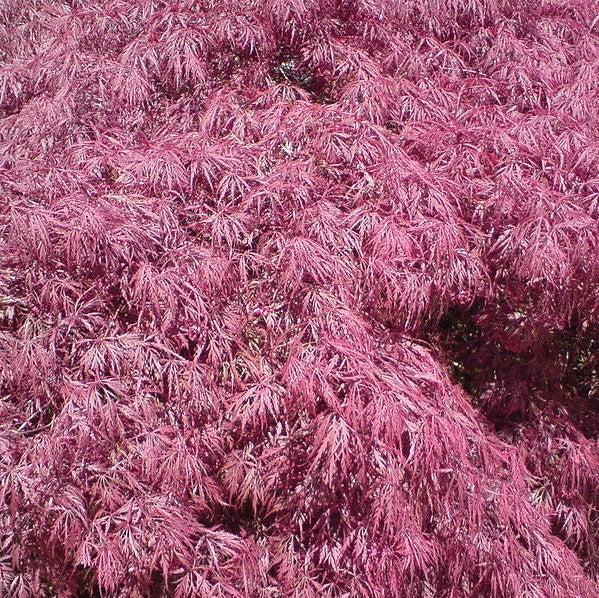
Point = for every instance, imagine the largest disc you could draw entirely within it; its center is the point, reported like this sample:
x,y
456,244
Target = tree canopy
x,y
299,298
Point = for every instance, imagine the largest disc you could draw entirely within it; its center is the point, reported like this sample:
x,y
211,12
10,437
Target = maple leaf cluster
x,y
299,298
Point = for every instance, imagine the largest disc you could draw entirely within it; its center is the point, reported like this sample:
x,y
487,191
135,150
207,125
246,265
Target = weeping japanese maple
x,y
299,298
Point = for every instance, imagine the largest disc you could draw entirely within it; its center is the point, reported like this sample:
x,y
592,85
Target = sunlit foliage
x,y
299,298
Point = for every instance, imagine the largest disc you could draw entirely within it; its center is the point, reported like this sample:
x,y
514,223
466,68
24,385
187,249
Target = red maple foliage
x,y
299,298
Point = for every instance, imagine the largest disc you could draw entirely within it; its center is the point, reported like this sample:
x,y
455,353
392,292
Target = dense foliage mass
x,y
299,298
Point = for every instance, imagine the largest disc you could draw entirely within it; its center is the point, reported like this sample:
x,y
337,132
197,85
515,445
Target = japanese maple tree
x,y
299,298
